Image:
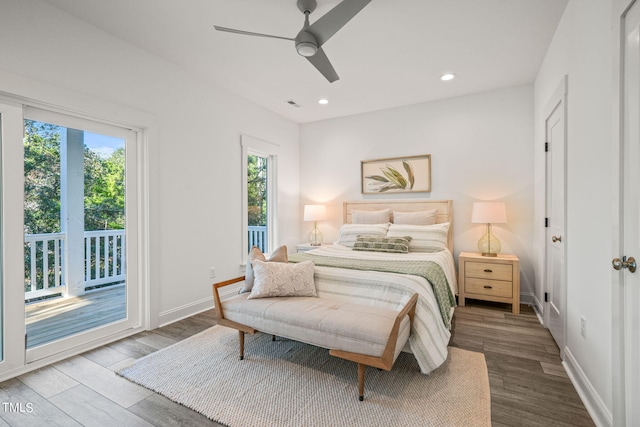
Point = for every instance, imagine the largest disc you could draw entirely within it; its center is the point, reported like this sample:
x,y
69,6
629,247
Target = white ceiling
x,y
391,54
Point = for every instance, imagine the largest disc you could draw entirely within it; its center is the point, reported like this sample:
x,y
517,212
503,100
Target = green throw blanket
x,y
429,270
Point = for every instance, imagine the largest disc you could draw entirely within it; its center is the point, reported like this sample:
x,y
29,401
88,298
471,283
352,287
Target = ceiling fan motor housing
x,y
306,44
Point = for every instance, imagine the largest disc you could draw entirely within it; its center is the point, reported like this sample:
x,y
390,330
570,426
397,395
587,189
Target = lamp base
x,y
489,245
315,236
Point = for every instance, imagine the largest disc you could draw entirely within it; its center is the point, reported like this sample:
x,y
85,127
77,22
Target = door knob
x,y
555,239
619,264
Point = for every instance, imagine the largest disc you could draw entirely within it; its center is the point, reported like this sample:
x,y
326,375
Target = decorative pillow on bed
x,y
415,218
424,238
398,245
349,232
278,279
370,217
279,255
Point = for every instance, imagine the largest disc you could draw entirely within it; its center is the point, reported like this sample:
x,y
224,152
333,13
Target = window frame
x,y
258,147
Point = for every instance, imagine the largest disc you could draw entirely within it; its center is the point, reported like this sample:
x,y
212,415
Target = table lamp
x,y
489,213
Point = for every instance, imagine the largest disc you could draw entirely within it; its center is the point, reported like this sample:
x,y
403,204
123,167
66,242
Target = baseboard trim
x,y
538,307
601,415
170,316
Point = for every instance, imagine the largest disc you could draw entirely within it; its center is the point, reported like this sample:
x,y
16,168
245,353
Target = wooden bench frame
x,y
383,362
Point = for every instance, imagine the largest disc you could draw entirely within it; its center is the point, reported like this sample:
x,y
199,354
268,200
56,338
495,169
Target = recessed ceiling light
x,y
323,101
446,77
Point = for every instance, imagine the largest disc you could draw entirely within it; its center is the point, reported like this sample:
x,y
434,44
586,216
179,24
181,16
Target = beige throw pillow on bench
x,y
277,279
279,255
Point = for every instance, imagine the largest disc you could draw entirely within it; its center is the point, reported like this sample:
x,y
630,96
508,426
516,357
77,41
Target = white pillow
x,y
279,279
424,238
349,232
416,218
370,217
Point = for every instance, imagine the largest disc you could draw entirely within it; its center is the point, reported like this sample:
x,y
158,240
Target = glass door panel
x,y
76,244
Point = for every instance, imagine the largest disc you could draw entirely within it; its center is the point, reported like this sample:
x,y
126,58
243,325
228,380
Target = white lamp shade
x,y
315,212
489,213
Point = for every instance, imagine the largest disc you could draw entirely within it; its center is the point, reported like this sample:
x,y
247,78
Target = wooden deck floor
x,y
57,318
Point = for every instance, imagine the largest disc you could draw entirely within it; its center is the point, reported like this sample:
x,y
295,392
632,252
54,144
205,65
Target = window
x,y
259,194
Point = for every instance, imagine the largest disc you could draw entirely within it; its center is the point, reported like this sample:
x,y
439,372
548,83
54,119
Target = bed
x,y
376,277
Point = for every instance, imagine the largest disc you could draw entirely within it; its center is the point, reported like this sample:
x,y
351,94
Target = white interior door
x,y
626,282
555,131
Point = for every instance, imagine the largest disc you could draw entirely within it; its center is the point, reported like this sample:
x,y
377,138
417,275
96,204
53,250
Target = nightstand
x,y
489,278
304,247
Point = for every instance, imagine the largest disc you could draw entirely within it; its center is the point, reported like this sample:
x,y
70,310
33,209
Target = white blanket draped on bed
x,y
430,336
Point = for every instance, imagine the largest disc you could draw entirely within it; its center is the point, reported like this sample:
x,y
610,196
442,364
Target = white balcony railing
x,y
43,264
104,257
45,261
257,237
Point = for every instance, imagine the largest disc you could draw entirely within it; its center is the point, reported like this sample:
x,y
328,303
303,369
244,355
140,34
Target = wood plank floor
x,y
528,384
57,318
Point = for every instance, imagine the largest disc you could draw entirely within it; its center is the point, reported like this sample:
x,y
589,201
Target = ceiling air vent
x,y
293,103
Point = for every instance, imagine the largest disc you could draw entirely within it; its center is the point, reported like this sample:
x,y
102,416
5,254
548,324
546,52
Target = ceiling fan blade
x,y
249,33
329,24
321,62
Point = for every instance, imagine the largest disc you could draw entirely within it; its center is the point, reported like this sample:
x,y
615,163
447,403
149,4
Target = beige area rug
x,y
287,383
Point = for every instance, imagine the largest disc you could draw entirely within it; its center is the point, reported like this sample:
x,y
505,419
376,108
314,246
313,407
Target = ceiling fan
x,y
310,39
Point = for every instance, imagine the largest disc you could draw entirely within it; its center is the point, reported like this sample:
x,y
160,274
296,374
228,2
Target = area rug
x,y
287,383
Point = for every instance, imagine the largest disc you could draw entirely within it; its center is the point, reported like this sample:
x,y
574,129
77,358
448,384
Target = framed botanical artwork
x,y
396,175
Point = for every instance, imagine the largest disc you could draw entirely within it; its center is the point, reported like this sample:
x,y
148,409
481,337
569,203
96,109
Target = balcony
x,y
53,308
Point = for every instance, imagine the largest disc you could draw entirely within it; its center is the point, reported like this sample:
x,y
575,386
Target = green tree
x,y
257,190
42,177
104,191
103,183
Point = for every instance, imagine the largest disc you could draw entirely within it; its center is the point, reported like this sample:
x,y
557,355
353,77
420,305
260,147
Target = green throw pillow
x,y
399,245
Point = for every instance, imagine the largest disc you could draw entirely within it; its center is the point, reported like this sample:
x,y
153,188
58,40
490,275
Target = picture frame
x,y
410,174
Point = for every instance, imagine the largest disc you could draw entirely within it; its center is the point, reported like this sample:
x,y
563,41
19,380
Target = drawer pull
x,y
488,270
488,287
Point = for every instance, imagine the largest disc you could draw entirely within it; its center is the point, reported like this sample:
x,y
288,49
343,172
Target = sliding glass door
x,y
78,207
71,227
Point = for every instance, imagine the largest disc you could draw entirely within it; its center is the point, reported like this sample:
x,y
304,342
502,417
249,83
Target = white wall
x,y
194,141
480,146
582,49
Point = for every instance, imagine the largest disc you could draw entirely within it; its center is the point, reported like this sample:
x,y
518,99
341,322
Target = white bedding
x,y
444,258
430,336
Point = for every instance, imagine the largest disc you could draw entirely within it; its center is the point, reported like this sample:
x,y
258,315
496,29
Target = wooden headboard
x,y
444,207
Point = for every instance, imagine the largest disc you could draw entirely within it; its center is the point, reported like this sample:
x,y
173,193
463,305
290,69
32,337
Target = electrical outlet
x,y
212,272
583,327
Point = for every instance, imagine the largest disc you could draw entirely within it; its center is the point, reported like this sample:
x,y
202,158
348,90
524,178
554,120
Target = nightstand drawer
x,y
485,270
495,288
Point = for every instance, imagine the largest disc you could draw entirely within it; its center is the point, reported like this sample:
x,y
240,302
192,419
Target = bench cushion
x,y
320,321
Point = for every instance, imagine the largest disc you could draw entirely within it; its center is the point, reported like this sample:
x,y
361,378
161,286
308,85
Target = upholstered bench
x,y
369,336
